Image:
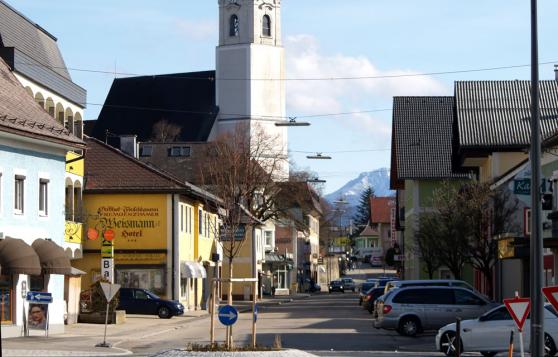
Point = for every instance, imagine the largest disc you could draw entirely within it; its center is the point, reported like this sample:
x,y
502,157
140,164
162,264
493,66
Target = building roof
x,y
108,169
496,114
299,194
20,114
381,209
134,105
422,138
32,51
368,231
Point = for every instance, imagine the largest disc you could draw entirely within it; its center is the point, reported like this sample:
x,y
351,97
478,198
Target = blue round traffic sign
x,y
228,315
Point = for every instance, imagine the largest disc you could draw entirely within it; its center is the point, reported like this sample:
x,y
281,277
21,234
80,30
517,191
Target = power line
x,y
387,76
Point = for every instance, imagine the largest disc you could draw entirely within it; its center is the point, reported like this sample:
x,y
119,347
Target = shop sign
x,y
107,269
523,186
506,248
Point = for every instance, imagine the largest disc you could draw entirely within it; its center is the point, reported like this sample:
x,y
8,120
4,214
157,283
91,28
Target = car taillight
x,y
387,309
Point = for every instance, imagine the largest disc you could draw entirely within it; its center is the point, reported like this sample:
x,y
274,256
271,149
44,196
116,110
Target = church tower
x,y
250,69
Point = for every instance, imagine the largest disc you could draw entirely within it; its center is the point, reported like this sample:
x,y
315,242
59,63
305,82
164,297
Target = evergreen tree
x,y
362,215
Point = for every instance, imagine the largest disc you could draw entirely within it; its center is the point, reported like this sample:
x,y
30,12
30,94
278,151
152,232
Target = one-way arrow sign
x,y
519,309
228,315
39,297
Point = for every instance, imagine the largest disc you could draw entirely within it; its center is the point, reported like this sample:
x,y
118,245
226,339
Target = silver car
x,y
415,309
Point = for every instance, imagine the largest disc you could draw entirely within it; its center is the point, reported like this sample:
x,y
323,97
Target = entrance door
x,y
6,298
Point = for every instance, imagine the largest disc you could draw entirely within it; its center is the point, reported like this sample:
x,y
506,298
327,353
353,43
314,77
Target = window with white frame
x,y
268,238
182,218
19,194
43,197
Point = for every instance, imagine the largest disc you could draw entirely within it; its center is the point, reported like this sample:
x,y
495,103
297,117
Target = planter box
x,y
118,317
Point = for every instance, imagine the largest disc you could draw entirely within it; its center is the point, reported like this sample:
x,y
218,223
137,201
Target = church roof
x,y
21,115
32,51
135,104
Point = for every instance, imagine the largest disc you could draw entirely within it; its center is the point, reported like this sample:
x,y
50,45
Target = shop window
x,y
152,279
6,297
36,283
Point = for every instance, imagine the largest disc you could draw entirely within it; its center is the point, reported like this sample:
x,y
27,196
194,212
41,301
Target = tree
x,y
426,243
165,131
361,217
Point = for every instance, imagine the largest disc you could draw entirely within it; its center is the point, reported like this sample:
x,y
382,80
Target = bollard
x,y
510,349
458,337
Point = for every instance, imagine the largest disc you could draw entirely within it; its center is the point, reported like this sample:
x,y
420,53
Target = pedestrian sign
x,y
551,293
228,315
519,309
39,297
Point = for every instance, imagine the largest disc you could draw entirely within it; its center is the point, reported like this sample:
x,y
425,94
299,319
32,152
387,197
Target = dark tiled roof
x,y
20,114
33,52
381,209
107,168
422,131
299,194
135,104
496,114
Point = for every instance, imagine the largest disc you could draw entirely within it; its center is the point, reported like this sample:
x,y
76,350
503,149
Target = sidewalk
x,y
80,339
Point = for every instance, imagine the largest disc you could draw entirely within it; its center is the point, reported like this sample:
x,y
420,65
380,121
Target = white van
x,y
397,284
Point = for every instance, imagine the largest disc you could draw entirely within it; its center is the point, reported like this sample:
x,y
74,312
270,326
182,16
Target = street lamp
x,y
319,156
292,122
315,180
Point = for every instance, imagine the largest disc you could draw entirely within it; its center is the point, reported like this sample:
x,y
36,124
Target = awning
x,y
17,257
192,270
52,256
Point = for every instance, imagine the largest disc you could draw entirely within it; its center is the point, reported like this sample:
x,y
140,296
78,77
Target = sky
x,y
323,39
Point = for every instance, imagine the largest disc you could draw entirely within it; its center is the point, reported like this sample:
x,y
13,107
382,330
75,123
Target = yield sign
x,y
110,290
519,309
551,293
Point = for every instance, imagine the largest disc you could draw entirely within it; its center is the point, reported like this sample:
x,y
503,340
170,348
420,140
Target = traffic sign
x,y
551,293
519,309
107,269
39,297
110,290
228,315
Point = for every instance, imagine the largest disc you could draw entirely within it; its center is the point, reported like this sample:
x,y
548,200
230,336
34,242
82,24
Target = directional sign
x,y
551,293
256,313
228,315
39,297
110,290
519,309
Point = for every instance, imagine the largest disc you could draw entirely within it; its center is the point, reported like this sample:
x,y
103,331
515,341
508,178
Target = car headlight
x,y
180,306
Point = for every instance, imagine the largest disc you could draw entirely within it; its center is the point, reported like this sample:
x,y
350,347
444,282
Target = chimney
x,y
128,145
556,71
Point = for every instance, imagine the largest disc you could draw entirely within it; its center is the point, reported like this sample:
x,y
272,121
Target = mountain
x,y
351,191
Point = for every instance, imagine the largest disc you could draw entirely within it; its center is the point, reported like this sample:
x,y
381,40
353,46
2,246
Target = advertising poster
x,y
37,317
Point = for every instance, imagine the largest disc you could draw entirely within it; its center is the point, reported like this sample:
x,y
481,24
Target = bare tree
x,y
427,244
165,131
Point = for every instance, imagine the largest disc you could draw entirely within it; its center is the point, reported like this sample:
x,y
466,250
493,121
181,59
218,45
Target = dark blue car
x,y
142,301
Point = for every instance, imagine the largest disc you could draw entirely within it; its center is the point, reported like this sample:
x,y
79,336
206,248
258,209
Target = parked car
x,y
142,301
336,285
314,287
384,280
415,309
369,301
397,284
490,333
364,288
349,284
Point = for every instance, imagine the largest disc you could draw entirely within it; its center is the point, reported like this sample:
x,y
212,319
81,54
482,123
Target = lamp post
x,y
536,251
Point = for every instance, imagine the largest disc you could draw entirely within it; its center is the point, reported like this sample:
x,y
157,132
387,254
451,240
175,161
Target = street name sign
x,y
551,293
519,309
39,297
228,315
110,290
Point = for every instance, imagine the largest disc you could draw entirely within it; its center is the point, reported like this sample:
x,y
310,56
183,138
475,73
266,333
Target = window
x,y
190,219
146,150
141,295
6,296
200,222
181,218
234,26
179,151
425,296
463,297
268,238
19,194
43,197
36,283
266,26
498,315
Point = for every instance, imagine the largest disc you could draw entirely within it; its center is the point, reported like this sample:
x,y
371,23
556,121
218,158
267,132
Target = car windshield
x,y
367,286
552,310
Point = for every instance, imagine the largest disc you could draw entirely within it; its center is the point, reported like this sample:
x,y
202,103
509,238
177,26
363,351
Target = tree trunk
x,y
230,287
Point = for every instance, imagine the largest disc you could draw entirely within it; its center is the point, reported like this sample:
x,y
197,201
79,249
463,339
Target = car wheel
x,y
488,354
409,326
164,312
448,344
549,346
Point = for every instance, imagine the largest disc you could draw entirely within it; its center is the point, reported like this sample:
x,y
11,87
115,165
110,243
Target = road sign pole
x,y
212,331
254,313
521,349
106,324
510,348
536,253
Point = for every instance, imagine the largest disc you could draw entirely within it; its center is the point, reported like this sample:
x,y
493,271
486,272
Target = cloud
x,y
304,60
198,30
